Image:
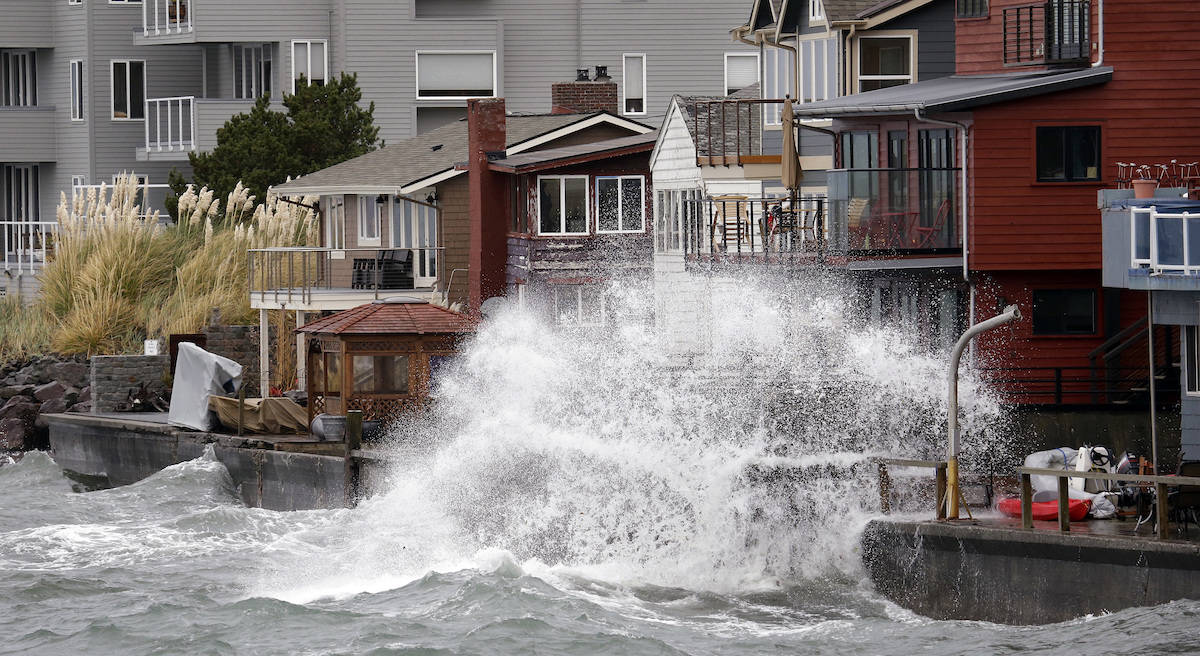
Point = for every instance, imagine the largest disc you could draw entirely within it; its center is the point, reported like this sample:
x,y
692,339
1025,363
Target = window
x,y
381,374
18,78
778,79
563,205
309,61
74,2
78,186
335,221
620,203
371,209
633,87
455,75
816,12
252,69
1191,337
741,71
1064,312
972,8
414,225
884,62
1068,153
124,2
128,90
579,306
21,192
76,90
860,150
818,69
673,210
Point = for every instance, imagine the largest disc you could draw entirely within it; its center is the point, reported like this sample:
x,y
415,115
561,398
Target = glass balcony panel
x,y
1169,238
894,209
1141,236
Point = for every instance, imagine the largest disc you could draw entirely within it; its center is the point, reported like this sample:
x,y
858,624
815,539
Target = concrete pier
x,y
1006,574
273,472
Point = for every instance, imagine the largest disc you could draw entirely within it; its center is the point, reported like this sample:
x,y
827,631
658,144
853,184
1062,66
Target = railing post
x,y
146,124
1064,504
1160,511
939,491
885,489
1026,501
192,102
354,422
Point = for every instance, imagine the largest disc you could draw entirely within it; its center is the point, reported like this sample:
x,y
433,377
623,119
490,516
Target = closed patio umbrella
x,y
790,174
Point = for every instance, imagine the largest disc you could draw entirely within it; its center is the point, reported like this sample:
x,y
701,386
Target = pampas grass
x,y
117,277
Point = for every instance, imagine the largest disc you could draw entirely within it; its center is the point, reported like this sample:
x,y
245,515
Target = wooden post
x,y
1026,502
241,408
264,353
1064,505
1160,498
940,492
301,353
885,489
353,443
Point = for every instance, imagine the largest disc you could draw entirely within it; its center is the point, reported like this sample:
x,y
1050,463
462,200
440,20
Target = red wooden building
x,y
1048,98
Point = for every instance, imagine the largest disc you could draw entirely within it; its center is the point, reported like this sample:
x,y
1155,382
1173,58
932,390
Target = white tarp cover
x,y
199,374
1046,487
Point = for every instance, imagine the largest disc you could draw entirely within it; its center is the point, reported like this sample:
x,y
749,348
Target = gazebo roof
x,y
391,318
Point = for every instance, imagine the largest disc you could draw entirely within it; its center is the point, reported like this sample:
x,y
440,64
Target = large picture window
x,y
1068,153
128,90
252,71
335,221
455,75
381,374
884,62
18,78
414,225
620,203
563,205
1064,312
633,87
579,306
370,211
310,60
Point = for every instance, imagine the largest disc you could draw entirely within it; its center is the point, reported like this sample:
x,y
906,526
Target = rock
x,y
16,400
70,373
51,390
12,435
85,395
52,406
9,391
71,396
27,412
85,406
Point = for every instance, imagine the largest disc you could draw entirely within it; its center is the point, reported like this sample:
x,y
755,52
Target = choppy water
x,y
568,497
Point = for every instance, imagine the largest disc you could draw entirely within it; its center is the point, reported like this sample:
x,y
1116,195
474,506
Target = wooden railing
x,y
729,132
1160,484
885,481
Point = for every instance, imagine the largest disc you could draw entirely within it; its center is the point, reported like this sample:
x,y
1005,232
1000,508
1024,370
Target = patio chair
x,y
1185,501
858,223
924,236
731,223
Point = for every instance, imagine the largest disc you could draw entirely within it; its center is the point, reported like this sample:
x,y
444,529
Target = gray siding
x,y
935,38
29,23
29,134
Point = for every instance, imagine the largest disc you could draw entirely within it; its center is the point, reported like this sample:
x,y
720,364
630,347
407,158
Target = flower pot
x,y
1144,188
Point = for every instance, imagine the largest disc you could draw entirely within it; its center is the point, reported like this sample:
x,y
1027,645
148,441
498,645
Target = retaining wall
x,y
113,377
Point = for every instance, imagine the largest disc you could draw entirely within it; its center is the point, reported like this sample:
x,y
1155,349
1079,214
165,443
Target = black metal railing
x,y
1059,386
1051,32
744,229
729,132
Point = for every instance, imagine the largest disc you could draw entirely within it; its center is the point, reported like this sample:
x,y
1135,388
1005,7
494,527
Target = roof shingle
x,y
386,318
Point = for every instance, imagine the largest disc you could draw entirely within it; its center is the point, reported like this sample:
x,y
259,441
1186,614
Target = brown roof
x,y
584,152
389,318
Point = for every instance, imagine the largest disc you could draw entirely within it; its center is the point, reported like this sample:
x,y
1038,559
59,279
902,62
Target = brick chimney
x,y
584,95
487,201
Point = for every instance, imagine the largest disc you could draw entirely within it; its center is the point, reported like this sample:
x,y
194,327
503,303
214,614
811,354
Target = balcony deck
x,y
178,126
320,279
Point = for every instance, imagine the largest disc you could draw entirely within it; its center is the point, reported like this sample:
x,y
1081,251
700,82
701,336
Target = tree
x,y
322,125
178,186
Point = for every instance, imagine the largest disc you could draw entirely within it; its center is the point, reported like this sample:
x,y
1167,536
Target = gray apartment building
x,y
90,89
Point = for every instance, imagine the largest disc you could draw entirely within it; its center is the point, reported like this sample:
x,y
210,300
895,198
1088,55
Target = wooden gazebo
x,y
379,357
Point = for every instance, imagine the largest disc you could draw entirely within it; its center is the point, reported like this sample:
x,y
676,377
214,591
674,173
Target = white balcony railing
x,y
1161,241
163,17
171,124
26,244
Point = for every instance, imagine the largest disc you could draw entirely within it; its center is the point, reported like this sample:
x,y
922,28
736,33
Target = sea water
x,y
572,492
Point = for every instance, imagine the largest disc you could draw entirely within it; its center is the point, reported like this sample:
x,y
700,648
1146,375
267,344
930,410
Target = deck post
x,y
264,353
939,491
1026,501
1160,511
885,489
301,354
1064,505
354,423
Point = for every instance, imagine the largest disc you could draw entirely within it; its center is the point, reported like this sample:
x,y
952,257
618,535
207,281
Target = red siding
x,y
980,41
1148,113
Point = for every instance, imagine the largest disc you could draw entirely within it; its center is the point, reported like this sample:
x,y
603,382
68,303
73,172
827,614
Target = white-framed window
x,y
818,69
455,75
371,210
310,59
741,71
335,221
414,225
779,80
253,70
21,192
18,78
563,205
633,83
128,90
76,89
816,12
621,203
74,2
1191,357
580,306
885,61
672,210
78,185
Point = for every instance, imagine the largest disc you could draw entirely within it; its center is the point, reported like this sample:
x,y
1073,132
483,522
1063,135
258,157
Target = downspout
x,y
1100,30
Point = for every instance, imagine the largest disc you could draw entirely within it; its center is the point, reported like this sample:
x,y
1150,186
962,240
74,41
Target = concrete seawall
x,y
105,451
1017,576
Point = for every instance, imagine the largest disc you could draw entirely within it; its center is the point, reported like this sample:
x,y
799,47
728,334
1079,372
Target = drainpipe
x,y
962,183
1100,38
1011,312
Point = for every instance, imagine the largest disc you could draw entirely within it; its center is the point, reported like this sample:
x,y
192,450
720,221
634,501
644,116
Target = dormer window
x,y
972,8
816,12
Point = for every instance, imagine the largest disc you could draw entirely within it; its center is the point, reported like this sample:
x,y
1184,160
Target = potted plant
x,y
1144,187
